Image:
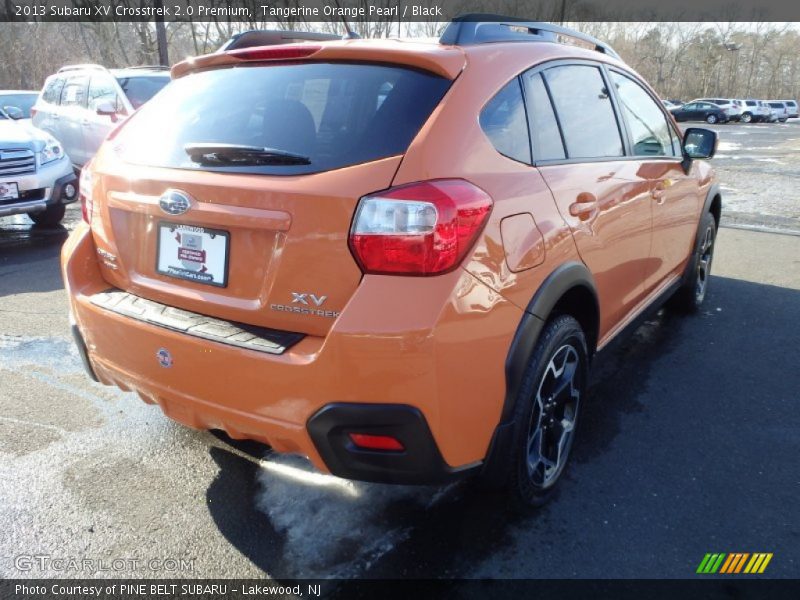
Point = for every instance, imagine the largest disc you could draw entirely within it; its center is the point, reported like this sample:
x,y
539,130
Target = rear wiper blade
x,y
240,155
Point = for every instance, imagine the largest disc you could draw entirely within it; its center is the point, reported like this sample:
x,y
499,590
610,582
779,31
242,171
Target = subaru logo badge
x,y
164,358
174,202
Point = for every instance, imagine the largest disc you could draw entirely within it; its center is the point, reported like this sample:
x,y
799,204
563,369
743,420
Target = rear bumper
x,y
443,398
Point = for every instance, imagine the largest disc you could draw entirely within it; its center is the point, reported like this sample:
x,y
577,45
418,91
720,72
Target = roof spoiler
x,y
274,37
477,28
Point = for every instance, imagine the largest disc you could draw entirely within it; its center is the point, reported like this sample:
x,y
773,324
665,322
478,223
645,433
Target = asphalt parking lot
x,y
689,443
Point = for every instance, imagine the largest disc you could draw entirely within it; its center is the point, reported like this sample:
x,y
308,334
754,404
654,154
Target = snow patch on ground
x,y
333,527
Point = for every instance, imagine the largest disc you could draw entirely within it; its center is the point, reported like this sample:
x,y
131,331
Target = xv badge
x,y
303,298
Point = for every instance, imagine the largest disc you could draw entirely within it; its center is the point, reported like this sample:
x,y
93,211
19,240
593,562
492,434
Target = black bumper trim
x,y
58,189
83,352
420,462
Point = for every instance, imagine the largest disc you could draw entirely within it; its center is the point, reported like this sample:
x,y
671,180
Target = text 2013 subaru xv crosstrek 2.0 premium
x,y
396,258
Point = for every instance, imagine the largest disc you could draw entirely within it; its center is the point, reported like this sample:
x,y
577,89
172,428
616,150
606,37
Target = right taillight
x,y
85,191
423,228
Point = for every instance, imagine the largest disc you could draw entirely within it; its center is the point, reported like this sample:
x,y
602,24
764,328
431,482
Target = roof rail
x,y
81,68
273,37
148,67
486,28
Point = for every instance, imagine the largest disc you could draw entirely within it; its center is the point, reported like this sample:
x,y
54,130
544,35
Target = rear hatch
x,y
232,192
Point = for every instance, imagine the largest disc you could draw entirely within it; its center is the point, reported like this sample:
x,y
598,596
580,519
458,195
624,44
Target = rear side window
x,y
650,135
585,112
335,114
545,136
52,90
141,89
102,90
74,92
504,123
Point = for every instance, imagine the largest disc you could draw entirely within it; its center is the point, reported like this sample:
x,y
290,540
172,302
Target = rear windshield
x,y
24,102
335,114
141,89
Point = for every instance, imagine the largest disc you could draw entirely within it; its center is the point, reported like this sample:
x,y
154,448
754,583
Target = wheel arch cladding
x,y
569,289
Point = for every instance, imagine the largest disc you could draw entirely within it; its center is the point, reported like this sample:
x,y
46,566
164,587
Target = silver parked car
x,y
779,110
791,106
36,177
81,104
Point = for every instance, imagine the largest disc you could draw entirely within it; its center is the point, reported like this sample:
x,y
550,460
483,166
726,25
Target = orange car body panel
x,y
394,339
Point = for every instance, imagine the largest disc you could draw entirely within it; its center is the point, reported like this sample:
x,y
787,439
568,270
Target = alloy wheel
x,y
704,264
553,419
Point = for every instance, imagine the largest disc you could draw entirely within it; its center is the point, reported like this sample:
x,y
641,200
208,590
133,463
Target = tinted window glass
x,y
646,122
545,135
334,114
584,111
52,91
504,123
74,92
141,89
24,102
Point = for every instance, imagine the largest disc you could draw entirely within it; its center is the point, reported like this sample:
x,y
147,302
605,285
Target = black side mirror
x,y
699,143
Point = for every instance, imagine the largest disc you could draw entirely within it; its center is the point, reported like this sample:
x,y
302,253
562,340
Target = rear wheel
x,y
747,118
711,119
547,410
50,217
692,293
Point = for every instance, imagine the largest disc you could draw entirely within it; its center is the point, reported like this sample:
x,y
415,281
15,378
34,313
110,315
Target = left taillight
x,y
85,191
423,228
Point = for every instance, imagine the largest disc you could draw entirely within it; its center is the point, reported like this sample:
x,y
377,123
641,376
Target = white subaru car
x,y
36,176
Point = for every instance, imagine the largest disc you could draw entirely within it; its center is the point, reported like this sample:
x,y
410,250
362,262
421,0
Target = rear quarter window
x,y
336,114
504,122
52,90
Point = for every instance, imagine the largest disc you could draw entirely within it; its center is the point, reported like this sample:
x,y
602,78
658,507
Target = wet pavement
x,y
758,165
688,444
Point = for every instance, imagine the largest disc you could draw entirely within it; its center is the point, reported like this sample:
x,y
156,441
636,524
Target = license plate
x,y
193,253
9,191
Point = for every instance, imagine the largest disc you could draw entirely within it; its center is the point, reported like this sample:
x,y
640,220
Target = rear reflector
x,y
376,442
275,53
423,228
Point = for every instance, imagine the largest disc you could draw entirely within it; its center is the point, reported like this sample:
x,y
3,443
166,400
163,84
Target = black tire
x,y
553,387
747,118
691,295
711,119
50,217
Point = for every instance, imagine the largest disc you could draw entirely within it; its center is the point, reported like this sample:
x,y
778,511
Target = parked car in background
x,y
17,104
700,111
733,112
779,110
395,306
670,105
81,104
791,106
36,177
755,111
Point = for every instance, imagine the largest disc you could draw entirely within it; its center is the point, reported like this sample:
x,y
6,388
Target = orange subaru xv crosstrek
x,y
397,258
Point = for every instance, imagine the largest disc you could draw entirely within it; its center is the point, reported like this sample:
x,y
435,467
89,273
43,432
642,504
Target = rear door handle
x,y
584,207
